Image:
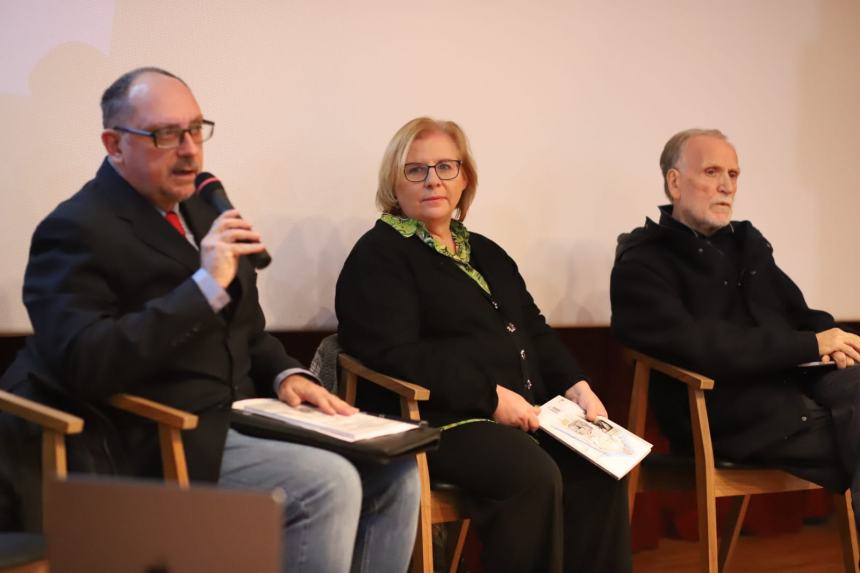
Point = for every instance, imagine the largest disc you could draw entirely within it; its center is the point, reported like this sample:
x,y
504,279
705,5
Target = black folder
x,y
380,450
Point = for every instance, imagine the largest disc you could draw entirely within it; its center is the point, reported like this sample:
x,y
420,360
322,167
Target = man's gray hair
x,y
115,99
675,147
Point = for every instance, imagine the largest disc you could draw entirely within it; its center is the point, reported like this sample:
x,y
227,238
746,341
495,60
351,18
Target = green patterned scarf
x,y
408,227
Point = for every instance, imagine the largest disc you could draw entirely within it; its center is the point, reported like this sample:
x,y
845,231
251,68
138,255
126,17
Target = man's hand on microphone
x,y
229,238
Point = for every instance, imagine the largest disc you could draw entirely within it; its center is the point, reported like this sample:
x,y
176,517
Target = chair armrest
x,y
154,411
403,389
170,421
45,416
693,379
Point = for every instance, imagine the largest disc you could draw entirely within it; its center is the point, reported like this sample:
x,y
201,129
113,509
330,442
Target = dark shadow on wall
x,y
309,259
42,152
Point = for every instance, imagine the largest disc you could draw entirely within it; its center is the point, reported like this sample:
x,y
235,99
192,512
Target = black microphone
x,y
212,191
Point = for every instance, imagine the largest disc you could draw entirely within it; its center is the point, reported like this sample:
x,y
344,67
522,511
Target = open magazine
x,y
604,443
352,428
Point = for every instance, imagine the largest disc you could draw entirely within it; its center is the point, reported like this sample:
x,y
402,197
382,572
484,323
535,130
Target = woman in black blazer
x,y
422,298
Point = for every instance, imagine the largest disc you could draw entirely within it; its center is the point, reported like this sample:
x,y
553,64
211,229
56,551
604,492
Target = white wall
x,y
567,104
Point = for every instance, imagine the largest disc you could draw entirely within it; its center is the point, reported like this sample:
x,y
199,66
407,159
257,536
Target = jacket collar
x,y
148,224
679,236
667,220
443,262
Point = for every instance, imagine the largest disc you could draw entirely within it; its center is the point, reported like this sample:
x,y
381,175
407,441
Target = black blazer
x,y
408,311
109,292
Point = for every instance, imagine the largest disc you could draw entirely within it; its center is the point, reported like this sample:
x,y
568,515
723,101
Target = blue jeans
x,y
338,517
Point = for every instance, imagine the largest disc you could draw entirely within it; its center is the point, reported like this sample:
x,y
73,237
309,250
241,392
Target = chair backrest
x,y
324,363
109,524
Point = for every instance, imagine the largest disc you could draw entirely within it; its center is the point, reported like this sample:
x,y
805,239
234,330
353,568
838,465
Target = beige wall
x,y
567,104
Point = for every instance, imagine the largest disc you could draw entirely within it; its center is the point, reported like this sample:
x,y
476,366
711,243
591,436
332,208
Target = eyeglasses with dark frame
x,y
445,170
170,137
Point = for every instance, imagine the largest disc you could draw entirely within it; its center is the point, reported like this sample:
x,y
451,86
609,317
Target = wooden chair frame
x,y
171,422
56,425
710,481
437,505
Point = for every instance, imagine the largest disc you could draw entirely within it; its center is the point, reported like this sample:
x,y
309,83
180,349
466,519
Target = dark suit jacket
x,y
109,292
675,296
408,311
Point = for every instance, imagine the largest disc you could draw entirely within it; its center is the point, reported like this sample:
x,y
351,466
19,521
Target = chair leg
x,y
53,455
707,508
732,529
847,532
173,455
632,488
462,532
422,555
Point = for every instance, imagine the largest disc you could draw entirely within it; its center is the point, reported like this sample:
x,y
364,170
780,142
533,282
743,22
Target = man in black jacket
x,y
137,284
702,291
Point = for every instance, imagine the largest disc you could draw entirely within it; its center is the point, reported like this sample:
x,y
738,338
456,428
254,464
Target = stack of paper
x,y
351,428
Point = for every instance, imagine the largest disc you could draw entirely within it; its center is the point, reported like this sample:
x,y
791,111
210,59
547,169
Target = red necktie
x,y
173,219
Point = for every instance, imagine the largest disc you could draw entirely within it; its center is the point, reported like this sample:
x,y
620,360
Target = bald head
x,y
115,99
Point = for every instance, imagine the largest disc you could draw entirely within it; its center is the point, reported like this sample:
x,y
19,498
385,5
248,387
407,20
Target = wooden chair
x,y
439,503
171,422
711,478
23,553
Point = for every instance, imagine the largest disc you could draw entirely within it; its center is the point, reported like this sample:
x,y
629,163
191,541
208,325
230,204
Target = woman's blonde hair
x,y
394,160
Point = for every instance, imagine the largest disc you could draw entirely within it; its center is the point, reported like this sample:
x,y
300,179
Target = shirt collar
x,y
408,227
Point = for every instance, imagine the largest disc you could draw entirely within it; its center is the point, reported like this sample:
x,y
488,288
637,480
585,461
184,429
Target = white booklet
x,y
604,443
351,428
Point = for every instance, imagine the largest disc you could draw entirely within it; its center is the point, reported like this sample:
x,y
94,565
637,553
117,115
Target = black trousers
x,y
829,445
537,506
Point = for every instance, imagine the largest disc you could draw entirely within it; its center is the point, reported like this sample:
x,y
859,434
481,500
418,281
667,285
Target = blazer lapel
x,y
490,269
199,216
441,262
155,231
450,266
146,222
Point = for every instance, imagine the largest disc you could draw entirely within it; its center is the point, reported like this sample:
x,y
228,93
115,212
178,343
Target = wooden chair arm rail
x,y
154,411
404,389
694,379
45,416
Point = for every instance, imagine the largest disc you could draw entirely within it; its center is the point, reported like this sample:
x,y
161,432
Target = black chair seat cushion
x,y
443,486
20,548
682,461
